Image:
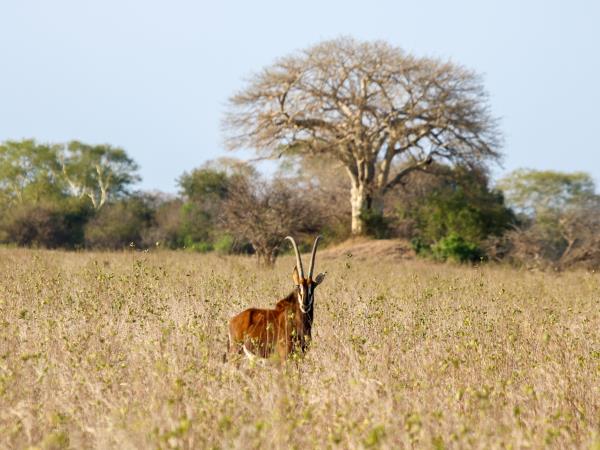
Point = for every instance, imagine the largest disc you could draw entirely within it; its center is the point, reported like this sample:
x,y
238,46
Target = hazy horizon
x,y
154,78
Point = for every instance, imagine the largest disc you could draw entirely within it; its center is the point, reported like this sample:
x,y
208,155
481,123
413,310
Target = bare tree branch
x,y
264,213
367,104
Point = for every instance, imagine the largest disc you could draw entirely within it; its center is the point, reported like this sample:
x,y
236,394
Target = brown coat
x,y
285,330
263,332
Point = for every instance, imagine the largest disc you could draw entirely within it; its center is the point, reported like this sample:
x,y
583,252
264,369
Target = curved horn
x,y
312,257
298,260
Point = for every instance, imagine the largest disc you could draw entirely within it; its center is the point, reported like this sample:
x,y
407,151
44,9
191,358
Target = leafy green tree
x,y
29,172
455,213
204,184
97,172
205,189
34,197
537,192
43,188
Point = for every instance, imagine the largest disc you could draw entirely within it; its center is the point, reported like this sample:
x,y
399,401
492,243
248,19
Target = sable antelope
x,y
285,329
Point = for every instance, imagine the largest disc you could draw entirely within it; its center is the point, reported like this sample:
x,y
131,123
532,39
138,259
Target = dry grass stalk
x,y
123,350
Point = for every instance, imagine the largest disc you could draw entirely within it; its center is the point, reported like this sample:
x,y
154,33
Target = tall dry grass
x,y
123,350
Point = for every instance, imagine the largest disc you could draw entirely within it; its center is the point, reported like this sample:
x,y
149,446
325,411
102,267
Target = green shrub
x,y
119,224
197,246
455,248
376,224
224,244
453,214
420,246
47,224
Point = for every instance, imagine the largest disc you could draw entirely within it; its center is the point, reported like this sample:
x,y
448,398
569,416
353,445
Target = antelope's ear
x,y
296,277
319,278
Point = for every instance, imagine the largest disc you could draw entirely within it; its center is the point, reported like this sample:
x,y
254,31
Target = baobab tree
x,y
380,111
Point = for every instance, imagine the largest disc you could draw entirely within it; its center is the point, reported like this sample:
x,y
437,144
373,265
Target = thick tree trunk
x,y
358,202
363,204
366,193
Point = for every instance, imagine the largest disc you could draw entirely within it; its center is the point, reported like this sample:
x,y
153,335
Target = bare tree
x,y
580,229
560,215
325,180
570,239
369,105
264,213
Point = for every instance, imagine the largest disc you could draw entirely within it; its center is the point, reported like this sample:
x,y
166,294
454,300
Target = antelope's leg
x,y
283,350
234,346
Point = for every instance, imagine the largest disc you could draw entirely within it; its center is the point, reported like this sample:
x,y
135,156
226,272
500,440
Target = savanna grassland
x,y
124,350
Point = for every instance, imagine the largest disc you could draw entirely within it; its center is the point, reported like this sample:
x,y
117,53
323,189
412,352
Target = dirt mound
x,y
363,249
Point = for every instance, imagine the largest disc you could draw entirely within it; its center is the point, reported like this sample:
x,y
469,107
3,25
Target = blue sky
x,y
154,76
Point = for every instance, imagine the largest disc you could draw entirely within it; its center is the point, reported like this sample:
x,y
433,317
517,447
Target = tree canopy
x,y
97,171
535,192
29,172
265,212
380,111
561,218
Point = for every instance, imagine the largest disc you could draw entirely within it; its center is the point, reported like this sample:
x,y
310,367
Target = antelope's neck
x,y
303,319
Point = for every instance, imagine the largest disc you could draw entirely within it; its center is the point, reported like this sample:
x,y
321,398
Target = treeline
x,y
51,194
533,219
78,196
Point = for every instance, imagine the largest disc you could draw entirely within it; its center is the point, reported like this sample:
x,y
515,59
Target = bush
x,y
48,225
165,231
224,244
455,248
35,226
197,246
263,212
119,224
454,213
419,246
376,224
196,224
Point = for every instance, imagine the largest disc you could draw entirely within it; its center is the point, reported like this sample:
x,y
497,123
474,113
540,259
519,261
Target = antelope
x,y
282,331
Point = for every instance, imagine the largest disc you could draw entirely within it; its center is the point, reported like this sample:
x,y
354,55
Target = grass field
x,y
124,350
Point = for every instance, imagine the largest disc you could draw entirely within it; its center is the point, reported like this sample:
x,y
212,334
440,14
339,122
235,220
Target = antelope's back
x,y
250,323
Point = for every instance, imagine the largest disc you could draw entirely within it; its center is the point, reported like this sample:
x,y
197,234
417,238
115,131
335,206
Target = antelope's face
x,y
306,285
306,290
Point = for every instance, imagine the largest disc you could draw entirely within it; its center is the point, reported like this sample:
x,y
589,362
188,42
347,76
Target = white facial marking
x,y
301,299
